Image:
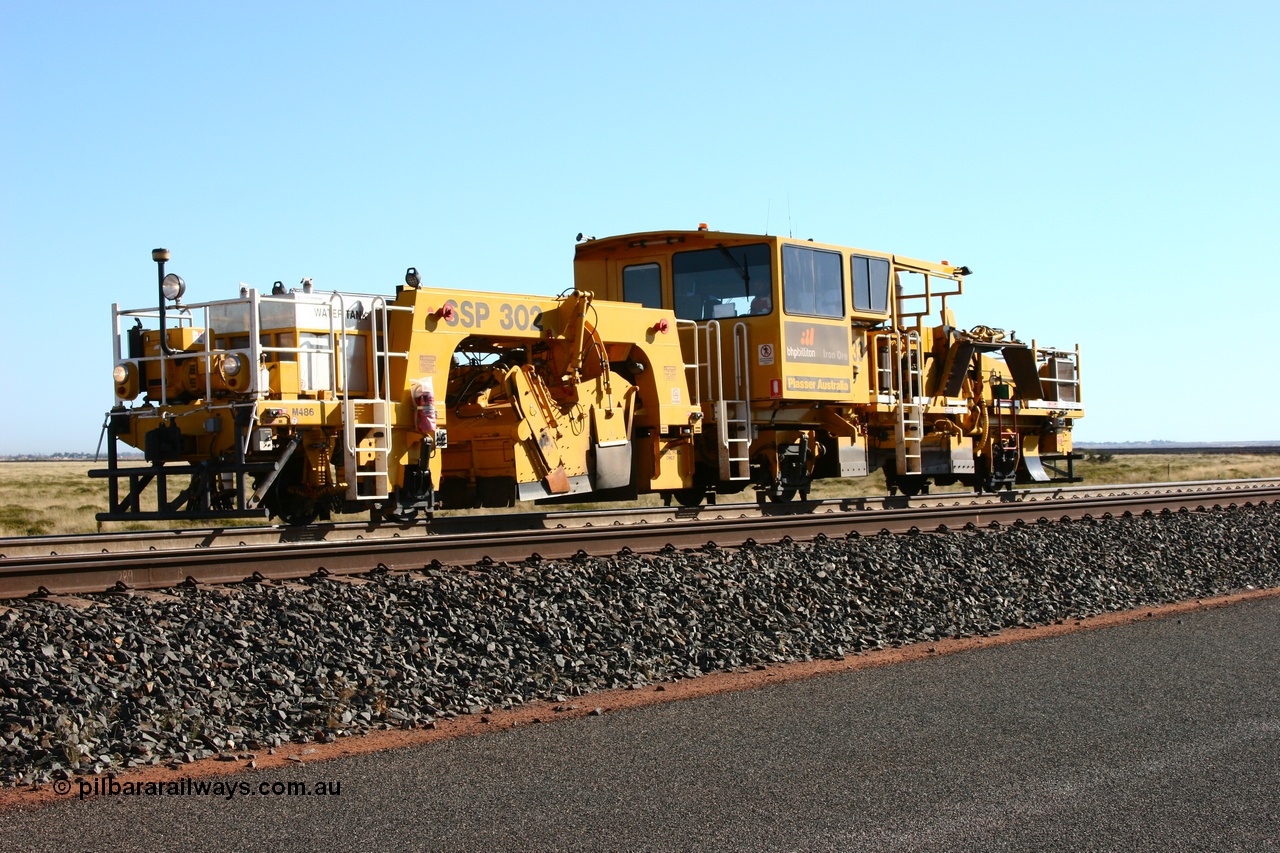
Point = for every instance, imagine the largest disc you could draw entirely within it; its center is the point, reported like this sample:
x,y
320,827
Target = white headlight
x,y
120,374
230,365
173,287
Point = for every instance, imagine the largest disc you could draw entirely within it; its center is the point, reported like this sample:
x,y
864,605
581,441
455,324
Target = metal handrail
x,y
714,388
900,296
1072,357
741,362
696,366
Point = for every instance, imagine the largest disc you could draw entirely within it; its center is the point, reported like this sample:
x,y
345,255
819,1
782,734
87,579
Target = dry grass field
x,y
48,497
39,498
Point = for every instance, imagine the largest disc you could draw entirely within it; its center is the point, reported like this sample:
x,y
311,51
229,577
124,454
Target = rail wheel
x,y
286,500
296,512
399,515
690,497
780,494
913,485
456,493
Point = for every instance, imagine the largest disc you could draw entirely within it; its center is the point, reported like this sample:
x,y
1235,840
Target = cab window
x,y
722,282
812,281
642,283
870,284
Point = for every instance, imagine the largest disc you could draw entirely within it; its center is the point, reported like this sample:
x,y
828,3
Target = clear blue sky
x,y
1108,170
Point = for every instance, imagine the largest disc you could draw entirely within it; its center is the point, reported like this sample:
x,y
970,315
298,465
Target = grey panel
x,y
578,485
1035,468
853,461
958,360
613,465
1022,364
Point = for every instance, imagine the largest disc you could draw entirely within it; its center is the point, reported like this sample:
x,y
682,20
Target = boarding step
x,y
908,434
733,425
367,449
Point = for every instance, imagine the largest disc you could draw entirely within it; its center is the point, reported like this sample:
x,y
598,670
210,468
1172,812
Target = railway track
x,y
154,560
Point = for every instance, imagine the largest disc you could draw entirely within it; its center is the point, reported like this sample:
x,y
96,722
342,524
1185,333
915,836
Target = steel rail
x,y
221,537
80,573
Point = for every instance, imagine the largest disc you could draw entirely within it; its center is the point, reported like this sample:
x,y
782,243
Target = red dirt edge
x,y
608,701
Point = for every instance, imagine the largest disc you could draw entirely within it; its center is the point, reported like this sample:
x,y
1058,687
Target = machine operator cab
x,y
797,318
706,275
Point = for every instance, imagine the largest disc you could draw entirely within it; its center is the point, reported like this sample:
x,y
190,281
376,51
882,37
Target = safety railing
x,y
904,295
690,328
1055,387
178,318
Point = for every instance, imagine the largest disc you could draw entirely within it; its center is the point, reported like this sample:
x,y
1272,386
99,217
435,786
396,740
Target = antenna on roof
x,y
790,231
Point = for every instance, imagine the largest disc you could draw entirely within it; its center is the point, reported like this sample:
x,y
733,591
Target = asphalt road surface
x,y
1161,735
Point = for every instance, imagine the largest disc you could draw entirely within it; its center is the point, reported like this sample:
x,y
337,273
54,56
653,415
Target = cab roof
x,y
700,238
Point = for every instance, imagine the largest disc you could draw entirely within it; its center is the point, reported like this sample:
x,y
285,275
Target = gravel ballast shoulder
x,y
129,680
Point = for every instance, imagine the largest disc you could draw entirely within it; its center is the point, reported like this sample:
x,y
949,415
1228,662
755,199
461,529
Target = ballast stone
x,y
138,680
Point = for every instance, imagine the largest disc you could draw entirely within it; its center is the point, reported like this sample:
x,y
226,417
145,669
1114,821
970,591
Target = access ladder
x,y
366,420
909,425
732,410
